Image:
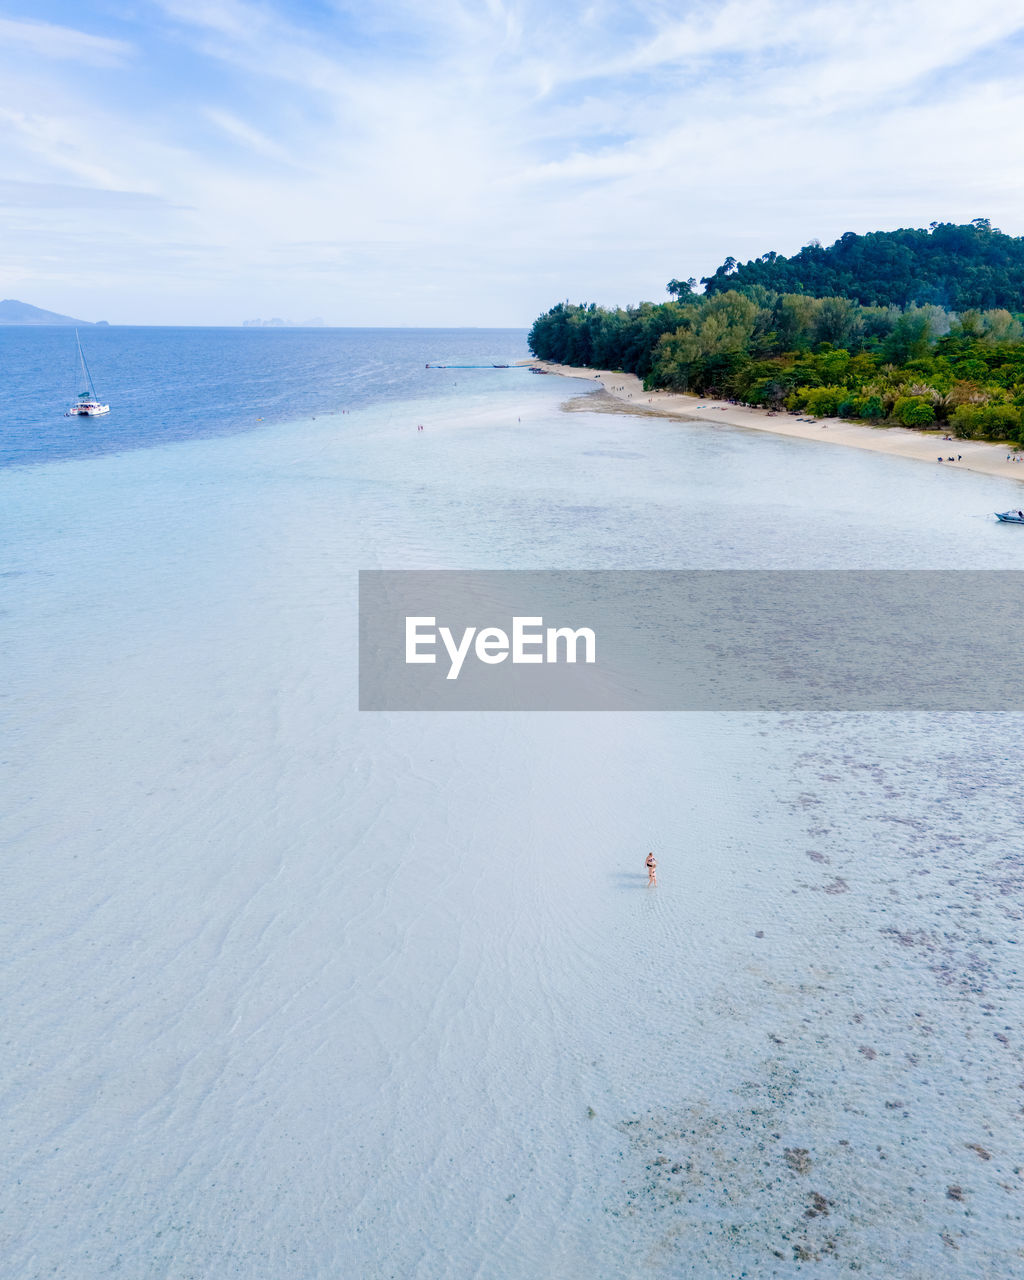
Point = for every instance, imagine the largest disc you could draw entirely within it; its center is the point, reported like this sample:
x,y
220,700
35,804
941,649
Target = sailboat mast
x,y
85,368
86,405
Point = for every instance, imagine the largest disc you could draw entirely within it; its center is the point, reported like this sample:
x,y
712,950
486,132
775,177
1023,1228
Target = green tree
x,y
823,402
914,411
681,288
723,327
793,320
838,322
909,337
872,408
999,326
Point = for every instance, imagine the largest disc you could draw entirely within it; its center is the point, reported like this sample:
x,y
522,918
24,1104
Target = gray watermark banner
x,y
690,640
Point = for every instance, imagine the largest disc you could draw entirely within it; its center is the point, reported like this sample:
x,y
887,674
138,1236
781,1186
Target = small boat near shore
x,y
87,405
431,365
1010,517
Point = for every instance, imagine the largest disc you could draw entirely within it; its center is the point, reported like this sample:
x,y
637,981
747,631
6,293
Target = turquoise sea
x,y
291,991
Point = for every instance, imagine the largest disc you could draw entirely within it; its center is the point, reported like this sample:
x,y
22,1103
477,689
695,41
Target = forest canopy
x,y
973,265
917,365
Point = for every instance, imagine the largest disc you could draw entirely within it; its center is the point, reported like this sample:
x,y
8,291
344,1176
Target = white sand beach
x,y
926,446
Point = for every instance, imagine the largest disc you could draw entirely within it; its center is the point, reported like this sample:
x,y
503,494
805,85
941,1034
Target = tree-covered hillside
x,y
917,328
958,267
913,366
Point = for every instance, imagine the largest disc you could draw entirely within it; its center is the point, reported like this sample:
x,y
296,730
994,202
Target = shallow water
x,y
293,991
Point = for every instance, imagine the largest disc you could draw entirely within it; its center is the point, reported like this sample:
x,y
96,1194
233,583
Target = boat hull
x,y
87,404
87,411
1009,517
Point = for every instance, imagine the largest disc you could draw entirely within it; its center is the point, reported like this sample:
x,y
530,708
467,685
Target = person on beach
x,y
650,862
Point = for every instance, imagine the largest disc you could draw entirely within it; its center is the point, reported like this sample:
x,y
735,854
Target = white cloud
x,y
473,162
52,41
56,141
245,134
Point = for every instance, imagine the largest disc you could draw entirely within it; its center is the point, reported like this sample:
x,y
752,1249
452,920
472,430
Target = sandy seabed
x,y
295,991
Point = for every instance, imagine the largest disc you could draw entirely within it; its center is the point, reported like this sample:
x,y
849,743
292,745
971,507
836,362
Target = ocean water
x,y
167,384
294,991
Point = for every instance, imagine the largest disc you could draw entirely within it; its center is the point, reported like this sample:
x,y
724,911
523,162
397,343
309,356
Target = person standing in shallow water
x,y
650,862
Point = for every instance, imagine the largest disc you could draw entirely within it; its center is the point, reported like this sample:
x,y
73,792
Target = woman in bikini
x,y
652,870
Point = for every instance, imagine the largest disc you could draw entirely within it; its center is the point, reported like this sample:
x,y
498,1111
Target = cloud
x,y
246,135
52,138
65,43
54,195
458,161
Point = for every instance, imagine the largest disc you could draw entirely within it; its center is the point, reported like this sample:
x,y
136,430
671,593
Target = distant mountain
x,y
14,312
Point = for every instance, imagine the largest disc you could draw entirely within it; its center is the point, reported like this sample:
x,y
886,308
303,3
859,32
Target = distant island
x,y
14,312
316,323
761,335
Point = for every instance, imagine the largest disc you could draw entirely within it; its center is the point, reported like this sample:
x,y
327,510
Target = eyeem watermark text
x,y
690,640
530,642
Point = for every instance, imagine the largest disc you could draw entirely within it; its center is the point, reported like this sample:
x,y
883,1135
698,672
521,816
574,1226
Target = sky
x,y
385,162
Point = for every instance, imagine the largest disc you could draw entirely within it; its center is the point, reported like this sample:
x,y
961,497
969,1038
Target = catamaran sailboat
x,y
86,405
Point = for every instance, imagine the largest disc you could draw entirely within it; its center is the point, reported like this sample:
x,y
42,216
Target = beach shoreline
x,y
982,456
